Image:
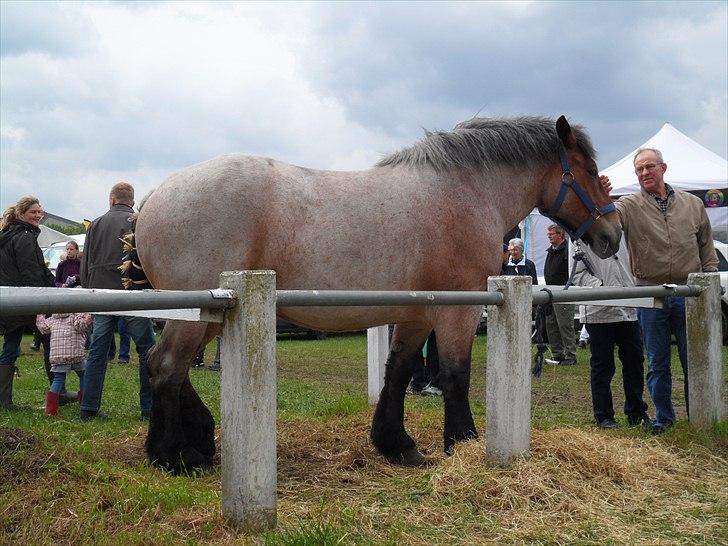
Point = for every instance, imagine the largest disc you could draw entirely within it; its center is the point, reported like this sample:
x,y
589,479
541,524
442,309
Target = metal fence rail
x,y
16,301
356,298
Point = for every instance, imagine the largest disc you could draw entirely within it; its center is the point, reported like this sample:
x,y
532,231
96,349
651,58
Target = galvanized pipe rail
x,y
361,298
18,301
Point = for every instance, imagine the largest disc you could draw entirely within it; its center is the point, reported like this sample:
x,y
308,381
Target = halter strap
x,y
568,182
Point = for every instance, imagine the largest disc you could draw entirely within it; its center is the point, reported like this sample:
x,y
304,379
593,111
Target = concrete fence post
x,y
377,352
508,371
248,401
705,362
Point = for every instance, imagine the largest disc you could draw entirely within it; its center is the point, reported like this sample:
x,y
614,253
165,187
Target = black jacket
x,y
103,249
21,264
556,268
528,269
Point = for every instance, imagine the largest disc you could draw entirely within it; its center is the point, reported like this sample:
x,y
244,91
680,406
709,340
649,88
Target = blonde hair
x,y
13,211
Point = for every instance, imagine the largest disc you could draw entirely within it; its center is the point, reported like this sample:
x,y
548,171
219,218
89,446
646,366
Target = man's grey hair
x,y
657,152
557,228
517,242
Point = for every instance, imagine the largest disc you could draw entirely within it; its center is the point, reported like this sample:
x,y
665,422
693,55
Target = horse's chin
x,y
604,243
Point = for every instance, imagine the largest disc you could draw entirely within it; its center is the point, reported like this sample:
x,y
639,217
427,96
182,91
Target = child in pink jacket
x,y
68,350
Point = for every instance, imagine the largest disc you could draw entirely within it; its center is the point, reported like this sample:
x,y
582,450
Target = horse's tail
x,y
132,272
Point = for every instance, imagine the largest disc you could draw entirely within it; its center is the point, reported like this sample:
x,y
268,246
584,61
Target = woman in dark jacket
x,y
21,264
68,272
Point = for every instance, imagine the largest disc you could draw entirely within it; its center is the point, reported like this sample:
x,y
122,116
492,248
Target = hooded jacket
x,y
612,271
68,336
21,264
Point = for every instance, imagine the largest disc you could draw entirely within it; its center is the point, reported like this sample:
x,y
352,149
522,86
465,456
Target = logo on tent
x,y
714,198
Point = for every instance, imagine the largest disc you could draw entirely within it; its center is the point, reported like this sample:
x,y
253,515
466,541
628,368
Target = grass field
x,y
68,482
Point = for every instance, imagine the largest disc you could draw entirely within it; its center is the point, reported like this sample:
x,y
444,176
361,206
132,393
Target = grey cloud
x,y
595,62
53,28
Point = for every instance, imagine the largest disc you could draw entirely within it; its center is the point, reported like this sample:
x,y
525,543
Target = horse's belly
x,y
347,319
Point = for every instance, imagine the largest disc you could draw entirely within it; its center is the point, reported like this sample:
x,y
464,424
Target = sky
x,y
92,93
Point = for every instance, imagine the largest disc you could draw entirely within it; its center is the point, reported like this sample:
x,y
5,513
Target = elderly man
x,y
518,264
100,269
669,236
560,323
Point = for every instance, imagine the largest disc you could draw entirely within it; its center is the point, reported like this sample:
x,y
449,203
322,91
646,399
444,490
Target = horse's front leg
x,y
181,429
455,329
388,433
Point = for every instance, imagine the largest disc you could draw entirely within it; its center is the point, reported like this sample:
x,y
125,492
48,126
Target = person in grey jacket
x,y
608,327
103,254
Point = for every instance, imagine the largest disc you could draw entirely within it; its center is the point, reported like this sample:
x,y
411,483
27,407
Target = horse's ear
x,y
563,129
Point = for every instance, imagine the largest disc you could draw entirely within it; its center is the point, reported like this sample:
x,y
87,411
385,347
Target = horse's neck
x,y
513,193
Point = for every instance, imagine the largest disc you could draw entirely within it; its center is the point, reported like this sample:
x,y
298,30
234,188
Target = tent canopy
x,y
690,166
48,236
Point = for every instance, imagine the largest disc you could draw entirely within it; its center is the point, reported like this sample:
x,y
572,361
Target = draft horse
x,y
428,217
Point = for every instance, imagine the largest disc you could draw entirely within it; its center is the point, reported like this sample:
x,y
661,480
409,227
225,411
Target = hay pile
x,y
582,486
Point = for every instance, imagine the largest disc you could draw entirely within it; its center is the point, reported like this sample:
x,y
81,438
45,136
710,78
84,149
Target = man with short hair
x,y
518,264
669,236
102,257
560,322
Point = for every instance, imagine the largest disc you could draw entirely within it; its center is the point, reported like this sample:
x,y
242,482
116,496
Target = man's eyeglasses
x,y
649,167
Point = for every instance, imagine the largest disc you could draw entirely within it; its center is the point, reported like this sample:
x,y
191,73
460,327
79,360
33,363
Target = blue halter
x,y
569,182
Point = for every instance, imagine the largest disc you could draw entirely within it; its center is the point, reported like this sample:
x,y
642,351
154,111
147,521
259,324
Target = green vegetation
x,y
64,481
68,230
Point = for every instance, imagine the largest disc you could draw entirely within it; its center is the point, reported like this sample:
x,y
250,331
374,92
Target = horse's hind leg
x,y
388,433
181,429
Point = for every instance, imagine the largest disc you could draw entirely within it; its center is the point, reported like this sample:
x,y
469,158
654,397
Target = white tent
x,y
48,236
690,167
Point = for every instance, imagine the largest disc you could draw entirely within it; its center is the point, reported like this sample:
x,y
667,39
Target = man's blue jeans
x,y
11,346
124,341
658,327
140,330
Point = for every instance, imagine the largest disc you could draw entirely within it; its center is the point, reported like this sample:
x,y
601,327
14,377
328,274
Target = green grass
x,y
64,481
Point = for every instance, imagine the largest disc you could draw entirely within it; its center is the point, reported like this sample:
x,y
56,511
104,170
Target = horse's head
x,y
573,197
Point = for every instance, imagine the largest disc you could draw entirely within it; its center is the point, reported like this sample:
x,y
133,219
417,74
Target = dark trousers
x,y
628,339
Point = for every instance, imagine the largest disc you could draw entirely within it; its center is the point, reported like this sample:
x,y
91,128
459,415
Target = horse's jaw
x,y
604,242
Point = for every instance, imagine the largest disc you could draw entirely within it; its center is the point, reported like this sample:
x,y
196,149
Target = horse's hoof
x,y
411,457
187,462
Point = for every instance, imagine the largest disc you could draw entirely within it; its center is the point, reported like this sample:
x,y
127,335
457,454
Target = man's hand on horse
x,y
604,181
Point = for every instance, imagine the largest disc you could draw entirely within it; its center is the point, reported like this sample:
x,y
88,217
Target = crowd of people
x,y
78,342
667,235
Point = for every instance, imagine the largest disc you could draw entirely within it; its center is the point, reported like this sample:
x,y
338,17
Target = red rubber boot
x,y
52,400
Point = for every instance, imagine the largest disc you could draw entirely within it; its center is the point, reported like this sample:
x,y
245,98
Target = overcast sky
x,y
93,93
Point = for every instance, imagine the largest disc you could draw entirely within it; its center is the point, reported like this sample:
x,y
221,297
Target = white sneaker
x,y
429,390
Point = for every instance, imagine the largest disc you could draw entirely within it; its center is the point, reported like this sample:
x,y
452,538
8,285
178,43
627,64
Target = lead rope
x,y
540,328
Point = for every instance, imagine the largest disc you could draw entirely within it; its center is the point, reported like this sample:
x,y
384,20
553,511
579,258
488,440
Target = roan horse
x,y
429,217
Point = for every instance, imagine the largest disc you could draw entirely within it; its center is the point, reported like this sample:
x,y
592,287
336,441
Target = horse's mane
x,y
487,142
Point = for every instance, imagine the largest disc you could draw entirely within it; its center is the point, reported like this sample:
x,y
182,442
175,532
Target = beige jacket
x,y
665,248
